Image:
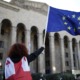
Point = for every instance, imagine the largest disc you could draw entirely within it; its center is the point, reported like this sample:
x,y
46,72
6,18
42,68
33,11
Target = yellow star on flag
x,y
65,23
79,18
79,22
63,17
69,27
74,29
73,16
78,27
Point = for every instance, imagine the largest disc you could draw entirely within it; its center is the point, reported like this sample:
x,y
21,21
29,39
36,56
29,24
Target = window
x,y
2,31
66,44
66,55
1,44
67,63
74,57
1,56
74,64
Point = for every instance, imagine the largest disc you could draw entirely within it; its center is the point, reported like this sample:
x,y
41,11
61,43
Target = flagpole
x,y
46,24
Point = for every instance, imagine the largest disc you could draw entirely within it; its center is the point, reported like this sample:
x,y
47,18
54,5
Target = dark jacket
x,y
30,57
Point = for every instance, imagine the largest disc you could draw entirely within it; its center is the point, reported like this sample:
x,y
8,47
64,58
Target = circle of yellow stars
x,y
73,17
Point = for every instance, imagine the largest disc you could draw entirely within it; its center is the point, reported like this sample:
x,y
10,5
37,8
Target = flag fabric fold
x,y
59,20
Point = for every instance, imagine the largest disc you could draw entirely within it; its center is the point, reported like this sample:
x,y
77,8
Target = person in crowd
x,y
17,62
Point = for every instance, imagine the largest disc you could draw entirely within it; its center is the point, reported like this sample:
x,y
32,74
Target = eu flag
x,y
59,20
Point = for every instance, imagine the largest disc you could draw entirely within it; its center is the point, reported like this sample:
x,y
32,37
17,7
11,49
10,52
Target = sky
x,y
72,5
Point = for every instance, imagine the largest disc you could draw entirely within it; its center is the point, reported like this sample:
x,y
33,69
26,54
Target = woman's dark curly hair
x,y
18,50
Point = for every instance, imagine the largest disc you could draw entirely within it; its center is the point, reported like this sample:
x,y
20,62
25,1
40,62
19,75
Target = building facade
x,y
25,22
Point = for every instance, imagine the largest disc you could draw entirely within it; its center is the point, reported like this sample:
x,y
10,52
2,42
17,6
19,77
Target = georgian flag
x,y
17,71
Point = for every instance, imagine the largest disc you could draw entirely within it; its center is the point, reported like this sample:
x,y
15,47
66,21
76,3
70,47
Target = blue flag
x,y
59,20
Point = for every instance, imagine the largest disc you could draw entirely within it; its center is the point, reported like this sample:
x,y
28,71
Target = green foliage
x,y
67,76
58,76
38,76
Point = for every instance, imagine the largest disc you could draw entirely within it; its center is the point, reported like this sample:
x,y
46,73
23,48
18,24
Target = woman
x,y
16,66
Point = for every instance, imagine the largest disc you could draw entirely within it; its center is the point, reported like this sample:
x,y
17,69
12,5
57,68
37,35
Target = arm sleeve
x,y
34,55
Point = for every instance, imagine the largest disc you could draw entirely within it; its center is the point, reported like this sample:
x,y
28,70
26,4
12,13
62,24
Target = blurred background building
x,y
24,21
